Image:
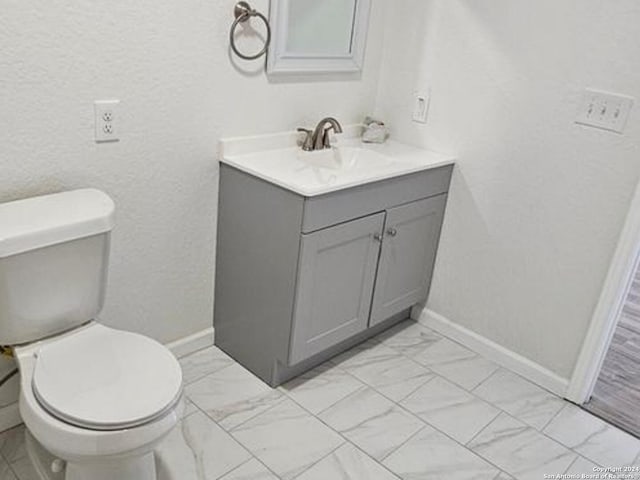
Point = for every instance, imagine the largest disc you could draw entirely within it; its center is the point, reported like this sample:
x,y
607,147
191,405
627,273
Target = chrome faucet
x,y
319,138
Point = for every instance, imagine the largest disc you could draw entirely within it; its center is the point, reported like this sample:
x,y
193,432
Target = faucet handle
x,y
307,145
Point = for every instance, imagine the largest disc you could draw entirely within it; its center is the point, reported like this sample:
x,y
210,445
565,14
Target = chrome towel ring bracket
x,y
244,12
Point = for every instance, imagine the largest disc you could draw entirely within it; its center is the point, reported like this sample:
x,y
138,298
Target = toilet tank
x,y
54,254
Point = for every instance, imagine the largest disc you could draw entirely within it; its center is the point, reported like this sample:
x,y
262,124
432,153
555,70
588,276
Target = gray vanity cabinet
x,y
336,274
411,236
300,279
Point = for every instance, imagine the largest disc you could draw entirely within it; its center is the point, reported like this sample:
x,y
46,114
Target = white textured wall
x,y
168,63
537,203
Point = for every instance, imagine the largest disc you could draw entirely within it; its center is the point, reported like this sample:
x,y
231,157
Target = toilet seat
x,y
103,379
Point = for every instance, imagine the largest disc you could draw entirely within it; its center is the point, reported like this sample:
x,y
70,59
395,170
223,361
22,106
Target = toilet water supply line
x,y
7,352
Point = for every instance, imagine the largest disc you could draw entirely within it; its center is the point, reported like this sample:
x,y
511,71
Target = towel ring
x,y
244,12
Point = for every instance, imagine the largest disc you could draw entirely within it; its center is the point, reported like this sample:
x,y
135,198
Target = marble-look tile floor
x,y
408,404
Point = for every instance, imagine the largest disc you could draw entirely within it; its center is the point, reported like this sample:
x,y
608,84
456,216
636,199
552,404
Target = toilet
x,y
96,401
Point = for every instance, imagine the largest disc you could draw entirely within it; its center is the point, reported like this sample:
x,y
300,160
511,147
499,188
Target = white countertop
x,y
279,160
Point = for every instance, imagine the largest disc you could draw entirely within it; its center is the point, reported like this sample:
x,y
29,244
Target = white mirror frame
x,y
281,62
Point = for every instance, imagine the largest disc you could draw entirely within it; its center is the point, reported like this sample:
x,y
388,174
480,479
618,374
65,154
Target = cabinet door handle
x,y
392,232
377,237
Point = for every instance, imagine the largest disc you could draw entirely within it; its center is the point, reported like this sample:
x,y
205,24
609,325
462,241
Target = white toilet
x,y
95,400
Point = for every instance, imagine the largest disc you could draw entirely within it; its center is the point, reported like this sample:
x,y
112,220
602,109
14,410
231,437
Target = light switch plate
x,y
107,120
607,111
421,102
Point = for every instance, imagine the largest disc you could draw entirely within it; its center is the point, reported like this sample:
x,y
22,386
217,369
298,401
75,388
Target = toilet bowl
x,y
95,400
100,400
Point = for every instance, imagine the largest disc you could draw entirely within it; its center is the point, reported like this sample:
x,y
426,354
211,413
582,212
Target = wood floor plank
x,y
616,397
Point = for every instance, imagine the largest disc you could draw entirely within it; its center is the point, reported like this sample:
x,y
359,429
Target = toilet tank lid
x,y
47,220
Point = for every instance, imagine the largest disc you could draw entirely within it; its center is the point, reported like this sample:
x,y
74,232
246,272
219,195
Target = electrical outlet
x,y
421,102
603,110
107,120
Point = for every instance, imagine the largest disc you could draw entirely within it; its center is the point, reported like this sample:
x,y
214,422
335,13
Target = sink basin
x,y
345,158
278,159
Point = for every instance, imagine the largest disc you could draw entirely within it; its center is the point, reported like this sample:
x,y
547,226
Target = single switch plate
x,y
607,111
421,102
107,120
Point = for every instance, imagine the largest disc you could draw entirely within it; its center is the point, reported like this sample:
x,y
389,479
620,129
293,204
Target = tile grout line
x,y
427,424
233,362
466,445
486,379
362,385
527,427
570,448
400,352
411,437
436,375
347,440
284,398
236,468
12,470
371,387
571,464
251,455
471,392
476,355
318,461
277,401
229,432
485,358
365,386
376,461
428,370
4,457
423,421
488,462
548,437
200,377
550,421
539,430
396,403
196,380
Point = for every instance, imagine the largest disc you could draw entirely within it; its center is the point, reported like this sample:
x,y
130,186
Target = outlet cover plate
x,y
107,120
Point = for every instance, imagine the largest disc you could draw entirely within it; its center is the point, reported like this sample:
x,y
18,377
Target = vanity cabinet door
x,y
411,235
336,274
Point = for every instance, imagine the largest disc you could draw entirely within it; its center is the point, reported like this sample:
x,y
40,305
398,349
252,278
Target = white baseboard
x,y
192,343
9,417
504,357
